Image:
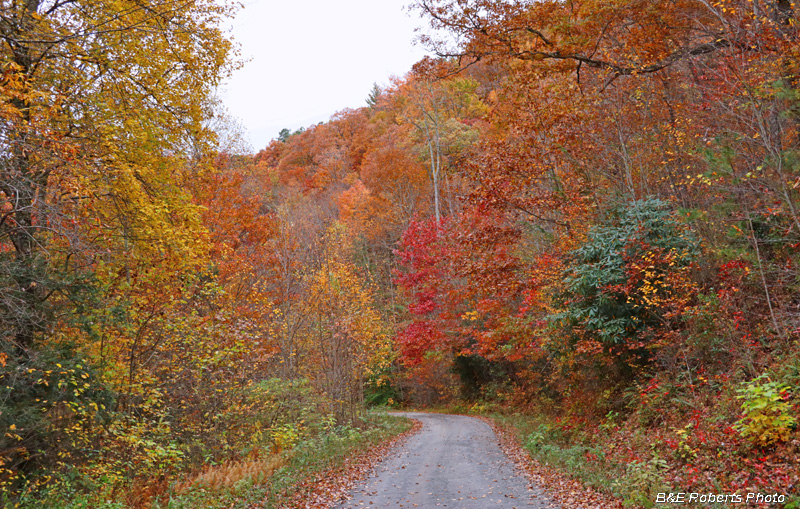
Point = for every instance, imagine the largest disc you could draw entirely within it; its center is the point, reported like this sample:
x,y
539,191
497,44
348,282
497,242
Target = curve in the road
x,y
455,462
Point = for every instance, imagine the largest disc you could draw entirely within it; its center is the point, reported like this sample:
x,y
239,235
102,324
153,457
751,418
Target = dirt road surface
x,y
454,461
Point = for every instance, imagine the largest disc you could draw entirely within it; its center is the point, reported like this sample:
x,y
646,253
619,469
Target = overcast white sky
x,y
309,59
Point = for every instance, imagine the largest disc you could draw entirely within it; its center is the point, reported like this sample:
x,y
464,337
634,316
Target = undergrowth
x,y
635,464
258,478
295,467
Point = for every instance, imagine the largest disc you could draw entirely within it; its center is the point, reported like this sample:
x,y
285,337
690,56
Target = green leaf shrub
x,y
767,413
628,278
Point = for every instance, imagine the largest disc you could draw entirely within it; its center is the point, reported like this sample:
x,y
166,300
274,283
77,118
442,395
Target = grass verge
x,y
292,477
570,473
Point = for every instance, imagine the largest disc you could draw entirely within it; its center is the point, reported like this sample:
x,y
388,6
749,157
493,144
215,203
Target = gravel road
x,y
454,461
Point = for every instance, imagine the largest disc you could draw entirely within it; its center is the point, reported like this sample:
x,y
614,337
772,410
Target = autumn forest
x,y
578,218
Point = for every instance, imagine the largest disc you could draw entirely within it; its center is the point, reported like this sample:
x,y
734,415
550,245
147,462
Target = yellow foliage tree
x,y
103,119
102,111
345,340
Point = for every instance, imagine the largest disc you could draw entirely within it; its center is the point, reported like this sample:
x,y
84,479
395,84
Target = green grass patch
x,y
550,445
301,464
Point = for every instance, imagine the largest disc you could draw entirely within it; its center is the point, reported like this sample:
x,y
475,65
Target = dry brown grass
x,y
231,472
143,492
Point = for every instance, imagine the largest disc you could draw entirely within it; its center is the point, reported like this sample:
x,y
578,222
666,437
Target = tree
x,y
621,39
98,135
437,111
628,281
345,340
105,111
284,135
374,96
